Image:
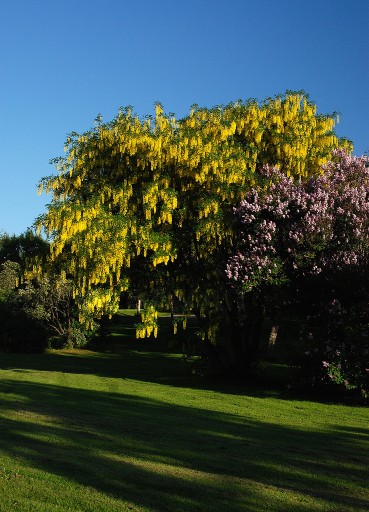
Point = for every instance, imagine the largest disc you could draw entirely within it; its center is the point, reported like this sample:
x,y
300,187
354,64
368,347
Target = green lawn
x,y
131,428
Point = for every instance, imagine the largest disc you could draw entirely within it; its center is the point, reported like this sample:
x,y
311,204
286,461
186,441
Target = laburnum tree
x,y
147,203
303,247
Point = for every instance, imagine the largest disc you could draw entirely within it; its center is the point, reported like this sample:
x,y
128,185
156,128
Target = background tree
x,y
22,323
25,249
154,197
34,306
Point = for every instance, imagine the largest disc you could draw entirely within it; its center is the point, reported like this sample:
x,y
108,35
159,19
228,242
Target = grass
x,y
128,427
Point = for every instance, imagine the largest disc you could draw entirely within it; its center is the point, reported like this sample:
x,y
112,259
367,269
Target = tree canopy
x,y
147,203
23,248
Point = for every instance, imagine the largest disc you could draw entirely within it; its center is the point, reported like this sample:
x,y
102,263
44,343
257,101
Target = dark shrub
x,y
20,330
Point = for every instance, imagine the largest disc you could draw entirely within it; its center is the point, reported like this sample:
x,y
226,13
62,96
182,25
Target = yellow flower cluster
x,y
149,323
98,302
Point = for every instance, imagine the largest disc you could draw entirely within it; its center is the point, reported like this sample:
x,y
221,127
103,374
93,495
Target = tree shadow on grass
x,y
166,457
121,355
133,361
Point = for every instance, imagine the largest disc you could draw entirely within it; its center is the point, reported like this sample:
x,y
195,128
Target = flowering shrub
x,y
311,240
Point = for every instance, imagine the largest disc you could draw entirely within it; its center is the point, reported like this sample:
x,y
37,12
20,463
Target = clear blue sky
x,y
62,62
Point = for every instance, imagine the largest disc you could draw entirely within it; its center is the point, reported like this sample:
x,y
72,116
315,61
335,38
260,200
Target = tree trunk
x,y
245,337
172,308
272,339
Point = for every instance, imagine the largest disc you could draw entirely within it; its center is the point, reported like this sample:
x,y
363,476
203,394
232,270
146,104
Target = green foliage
x,y
9,277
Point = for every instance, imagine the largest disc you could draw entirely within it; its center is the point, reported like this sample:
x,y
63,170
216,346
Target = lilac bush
x,y
312,239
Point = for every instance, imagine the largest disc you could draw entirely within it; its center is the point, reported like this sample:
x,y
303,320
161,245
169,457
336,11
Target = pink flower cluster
x,y
305,227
